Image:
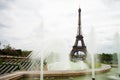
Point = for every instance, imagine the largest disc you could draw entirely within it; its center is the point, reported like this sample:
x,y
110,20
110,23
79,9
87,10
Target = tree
x,y
106,58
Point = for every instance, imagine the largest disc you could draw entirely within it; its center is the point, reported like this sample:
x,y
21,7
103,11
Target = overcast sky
x,y
30,24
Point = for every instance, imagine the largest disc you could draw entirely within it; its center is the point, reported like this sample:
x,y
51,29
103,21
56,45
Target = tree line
x,y
108,58
9,51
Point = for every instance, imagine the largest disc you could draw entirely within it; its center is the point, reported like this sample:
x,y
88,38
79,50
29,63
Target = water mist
x,y
91,50
41,67
117,45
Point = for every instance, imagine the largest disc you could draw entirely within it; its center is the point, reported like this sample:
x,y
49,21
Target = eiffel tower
x,y
78,52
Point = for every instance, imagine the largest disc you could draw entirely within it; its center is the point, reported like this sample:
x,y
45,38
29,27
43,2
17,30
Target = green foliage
x,y
25,53
108,58
0,62
115,58
8,50
97,65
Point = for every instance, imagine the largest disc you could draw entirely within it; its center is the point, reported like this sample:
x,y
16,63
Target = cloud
x,y
5,3
112,3
3,26
19,21
27,23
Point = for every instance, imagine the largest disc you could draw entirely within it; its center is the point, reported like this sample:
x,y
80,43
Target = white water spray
x,y
41,67
117,45
93,66
91,50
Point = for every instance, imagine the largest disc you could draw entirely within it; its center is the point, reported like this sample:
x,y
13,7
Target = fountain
x,y
116,76
41,67
91,49
59,65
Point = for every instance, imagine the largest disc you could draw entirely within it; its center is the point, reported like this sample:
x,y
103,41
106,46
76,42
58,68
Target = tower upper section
x,y
79,22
